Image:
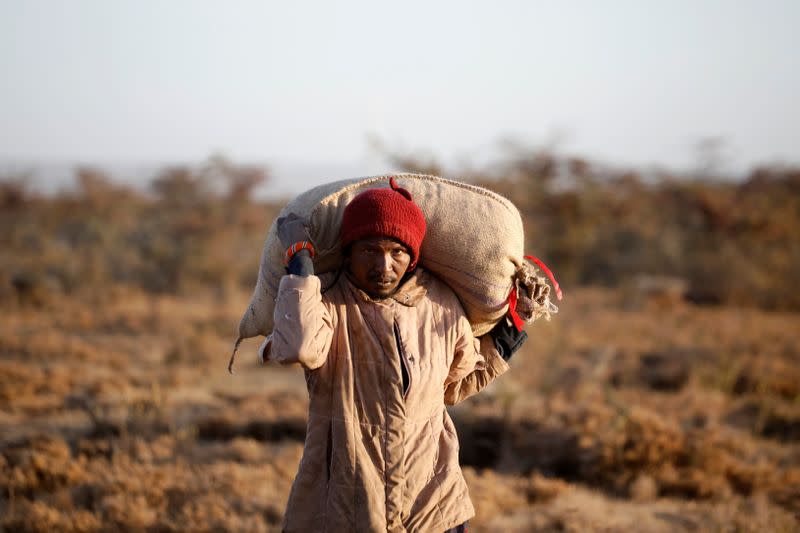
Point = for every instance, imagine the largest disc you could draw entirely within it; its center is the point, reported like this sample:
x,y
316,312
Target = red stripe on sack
x,y
512,309
547,271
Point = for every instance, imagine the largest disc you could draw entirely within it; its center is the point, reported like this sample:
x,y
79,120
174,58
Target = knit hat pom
x,y
399,189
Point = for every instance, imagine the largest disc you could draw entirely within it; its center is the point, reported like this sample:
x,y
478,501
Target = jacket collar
x,y
409,293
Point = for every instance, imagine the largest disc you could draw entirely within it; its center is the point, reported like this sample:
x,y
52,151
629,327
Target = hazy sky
x,y
632,82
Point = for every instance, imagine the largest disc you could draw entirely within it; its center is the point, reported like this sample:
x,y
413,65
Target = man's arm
x,y
303,326
477,362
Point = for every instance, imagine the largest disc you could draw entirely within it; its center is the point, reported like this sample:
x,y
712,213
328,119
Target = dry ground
x,y
626,412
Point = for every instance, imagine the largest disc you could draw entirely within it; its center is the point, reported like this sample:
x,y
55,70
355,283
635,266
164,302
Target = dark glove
x,y
292,229
301,264
507,339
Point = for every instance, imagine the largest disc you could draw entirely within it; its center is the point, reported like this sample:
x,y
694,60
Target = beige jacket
x,y
377,457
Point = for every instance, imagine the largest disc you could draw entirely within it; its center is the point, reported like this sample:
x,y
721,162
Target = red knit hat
x,y
385,213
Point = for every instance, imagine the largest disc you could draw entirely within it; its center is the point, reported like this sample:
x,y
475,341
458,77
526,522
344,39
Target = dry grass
x,y
109,421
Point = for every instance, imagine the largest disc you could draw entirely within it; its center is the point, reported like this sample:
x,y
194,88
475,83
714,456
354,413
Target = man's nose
x,y
384,262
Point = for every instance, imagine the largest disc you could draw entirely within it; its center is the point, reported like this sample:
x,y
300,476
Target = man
x,y
385,347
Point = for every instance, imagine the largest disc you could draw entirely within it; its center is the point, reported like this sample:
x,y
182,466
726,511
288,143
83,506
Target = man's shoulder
x,y
331,284
437,290
328,279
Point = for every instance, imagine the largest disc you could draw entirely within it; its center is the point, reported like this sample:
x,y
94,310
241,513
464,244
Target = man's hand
x,y
507,339
291,229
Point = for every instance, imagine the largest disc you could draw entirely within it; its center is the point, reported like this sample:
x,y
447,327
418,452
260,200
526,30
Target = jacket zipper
x,y
404,364
329,452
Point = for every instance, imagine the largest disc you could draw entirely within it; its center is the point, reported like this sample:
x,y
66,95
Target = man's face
x,y
377,265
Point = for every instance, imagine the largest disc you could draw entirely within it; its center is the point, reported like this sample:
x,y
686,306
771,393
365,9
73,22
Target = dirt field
x,y
631,411
635,409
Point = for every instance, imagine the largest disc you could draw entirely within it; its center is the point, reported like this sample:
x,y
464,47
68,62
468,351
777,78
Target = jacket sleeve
x,y
303,325
475,364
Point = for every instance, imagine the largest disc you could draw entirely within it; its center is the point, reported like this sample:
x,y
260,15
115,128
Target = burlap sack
x,y
474,243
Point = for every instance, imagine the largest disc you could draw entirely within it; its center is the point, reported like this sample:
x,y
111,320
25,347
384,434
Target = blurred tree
x,y
180,186
402,160
14,190
236,182
711,156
